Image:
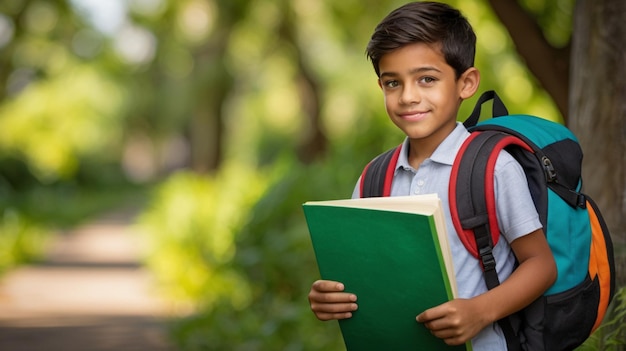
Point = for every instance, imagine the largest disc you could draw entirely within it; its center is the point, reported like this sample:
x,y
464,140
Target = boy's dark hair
x,y
425,22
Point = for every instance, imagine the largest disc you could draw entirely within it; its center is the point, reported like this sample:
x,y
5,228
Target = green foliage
x,y
190,228
554,17
21,239
54,124
30,217
64,205
611,335
250,291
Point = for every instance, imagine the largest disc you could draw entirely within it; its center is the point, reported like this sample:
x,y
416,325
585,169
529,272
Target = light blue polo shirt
x,y
516,214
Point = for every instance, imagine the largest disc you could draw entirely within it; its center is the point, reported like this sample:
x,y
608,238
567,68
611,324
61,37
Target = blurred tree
x,y
27,26
598,104
47,128
214,82
548,62
314,143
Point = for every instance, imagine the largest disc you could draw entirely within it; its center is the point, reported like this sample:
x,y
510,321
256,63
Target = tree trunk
x,y
597,105
214,83
314,142
206,128
548,64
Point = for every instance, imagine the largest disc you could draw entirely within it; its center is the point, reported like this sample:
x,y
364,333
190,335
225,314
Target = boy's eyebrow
x,y
412,71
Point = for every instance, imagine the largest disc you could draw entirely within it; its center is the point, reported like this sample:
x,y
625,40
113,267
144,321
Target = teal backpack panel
x,y
539,131
568,231
569,237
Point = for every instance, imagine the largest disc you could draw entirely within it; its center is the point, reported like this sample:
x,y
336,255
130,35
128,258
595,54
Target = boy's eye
x,y
391,83
427,80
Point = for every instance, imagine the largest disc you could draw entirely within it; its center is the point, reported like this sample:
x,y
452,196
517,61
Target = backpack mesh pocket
x,y
570,315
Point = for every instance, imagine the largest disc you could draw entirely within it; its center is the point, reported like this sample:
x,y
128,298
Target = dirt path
x,y
89,293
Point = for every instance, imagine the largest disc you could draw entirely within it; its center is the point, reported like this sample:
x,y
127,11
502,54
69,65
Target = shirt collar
x,y
445,152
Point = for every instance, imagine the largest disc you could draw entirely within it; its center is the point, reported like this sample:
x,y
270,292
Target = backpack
x,y
574,306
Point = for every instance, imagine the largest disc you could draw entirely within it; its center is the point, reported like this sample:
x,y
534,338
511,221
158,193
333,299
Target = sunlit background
x,y
217,119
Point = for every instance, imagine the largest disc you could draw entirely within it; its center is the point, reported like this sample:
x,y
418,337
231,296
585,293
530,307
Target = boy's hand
x,y
456,321
459,320
328,301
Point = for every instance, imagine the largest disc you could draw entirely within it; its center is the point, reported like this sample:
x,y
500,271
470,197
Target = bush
x,y
235,250
21,240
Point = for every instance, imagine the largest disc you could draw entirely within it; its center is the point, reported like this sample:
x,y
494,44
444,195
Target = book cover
x,y
393,253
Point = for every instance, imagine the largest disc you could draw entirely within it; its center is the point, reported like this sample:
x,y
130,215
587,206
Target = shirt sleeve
x,y
515,209
356,193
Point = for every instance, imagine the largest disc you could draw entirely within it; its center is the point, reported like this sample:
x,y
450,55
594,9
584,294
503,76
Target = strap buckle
x,y
487,259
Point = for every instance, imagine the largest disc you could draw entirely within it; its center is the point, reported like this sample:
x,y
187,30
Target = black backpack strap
x,y
472,205
473,220
377,175
498,108
546,158
572,197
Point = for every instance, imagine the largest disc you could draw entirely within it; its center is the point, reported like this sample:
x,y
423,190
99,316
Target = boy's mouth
x,y
413,115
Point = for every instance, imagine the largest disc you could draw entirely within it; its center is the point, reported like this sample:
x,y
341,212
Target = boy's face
x,y
422,94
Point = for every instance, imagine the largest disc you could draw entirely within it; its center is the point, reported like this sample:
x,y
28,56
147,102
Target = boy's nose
x,y
410,95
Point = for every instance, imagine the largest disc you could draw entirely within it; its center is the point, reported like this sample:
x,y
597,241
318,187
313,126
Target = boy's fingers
x,y
326,291
333,316
328,301
330,298
326,312
423,317
430,315
333,307
327,286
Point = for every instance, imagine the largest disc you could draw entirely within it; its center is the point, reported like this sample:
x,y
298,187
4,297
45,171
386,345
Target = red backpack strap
x,y
467,180
377,176
471,190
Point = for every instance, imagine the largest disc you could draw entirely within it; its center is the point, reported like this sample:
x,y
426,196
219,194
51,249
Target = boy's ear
x,y
468,83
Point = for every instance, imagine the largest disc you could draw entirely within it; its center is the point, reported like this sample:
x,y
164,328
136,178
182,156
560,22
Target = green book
x,y
393,253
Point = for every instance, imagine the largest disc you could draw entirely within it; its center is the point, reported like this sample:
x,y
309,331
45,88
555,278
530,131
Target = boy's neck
x,y
423,148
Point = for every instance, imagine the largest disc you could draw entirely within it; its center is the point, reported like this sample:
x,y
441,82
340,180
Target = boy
x,y
423,55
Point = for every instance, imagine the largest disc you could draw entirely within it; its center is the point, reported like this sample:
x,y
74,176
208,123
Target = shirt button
x,y
420,182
